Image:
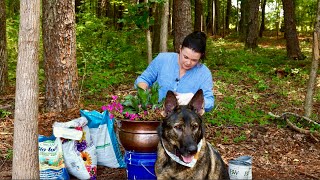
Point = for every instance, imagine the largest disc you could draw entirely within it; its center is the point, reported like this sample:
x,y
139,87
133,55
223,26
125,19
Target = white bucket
x,y
240,169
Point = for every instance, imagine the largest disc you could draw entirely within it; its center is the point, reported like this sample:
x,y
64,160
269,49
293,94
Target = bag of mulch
x,y
104,138
78,148
51,162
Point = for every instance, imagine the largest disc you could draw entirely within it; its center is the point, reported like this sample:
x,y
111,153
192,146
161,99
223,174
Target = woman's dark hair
x,y
197,42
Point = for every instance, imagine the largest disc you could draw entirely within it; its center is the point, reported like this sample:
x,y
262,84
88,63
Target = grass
x,y
249,84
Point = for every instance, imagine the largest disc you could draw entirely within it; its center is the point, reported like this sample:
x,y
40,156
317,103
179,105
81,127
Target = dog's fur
x,y
180,132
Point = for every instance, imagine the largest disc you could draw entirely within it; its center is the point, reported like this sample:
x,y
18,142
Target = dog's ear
x,y
170,104
197,102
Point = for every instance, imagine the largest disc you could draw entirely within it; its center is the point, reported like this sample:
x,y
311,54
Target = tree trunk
x,y
198,15
314,67
170,25
102,8
290,33
182,21
217,24
164,27
253,25
3,49
228,14
120,16
148,37
59,41
25,163
156,9
210,17
244,9
262,25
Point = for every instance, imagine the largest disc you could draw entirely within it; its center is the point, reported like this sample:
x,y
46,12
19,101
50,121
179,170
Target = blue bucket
x,y
140,165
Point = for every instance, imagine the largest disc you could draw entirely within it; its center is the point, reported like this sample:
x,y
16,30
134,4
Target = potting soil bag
x,y
79,153
51,162
105,139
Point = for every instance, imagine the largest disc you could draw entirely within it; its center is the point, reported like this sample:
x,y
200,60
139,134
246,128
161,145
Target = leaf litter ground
x,y
278,153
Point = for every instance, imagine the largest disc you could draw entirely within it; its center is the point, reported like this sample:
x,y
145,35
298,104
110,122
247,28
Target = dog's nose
x,y
192,149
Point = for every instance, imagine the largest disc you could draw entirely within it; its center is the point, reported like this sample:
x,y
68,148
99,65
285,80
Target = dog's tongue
x,y
187,159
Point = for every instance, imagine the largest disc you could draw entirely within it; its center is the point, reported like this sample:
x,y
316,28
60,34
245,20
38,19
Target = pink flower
x,y
111,116
104,108
114,97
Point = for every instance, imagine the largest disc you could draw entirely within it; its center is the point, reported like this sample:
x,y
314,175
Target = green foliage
x,y
105,56
9,154
12,28
145,100
240,138
137,15
4,113
249,84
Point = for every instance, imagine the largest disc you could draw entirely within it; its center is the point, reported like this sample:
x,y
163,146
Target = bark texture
x,y
25,163
253,25
182,21
3,49
263,12
164,27
60,55
198,15
314,67
290,32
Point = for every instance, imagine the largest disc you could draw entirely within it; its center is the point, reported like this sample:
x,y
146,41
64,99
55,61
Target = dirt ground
x,y
278,153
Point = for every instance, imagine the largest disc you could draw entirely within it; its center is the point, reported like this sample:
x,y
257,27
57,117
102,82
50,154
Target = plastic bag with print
x,y
79,151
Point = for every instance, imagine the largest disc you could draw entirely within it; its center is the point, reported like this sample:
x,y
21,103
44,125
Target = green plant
x,y
142,106
4,113
240,138
9,154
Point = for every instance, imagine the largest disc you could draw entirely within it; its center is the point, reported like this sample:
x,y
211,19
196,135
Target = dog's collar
x,y
178,160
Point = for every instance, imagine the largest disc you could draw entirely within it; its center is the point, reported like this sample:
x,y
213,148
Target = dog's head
x,y
182,128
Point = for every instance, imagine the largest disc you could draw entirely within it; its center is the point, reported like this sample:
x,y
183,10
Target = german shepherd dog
x,y
183,152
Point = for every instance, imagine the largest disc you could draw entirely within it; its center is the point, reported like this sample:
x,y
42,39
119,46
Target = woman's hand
x,y
143,85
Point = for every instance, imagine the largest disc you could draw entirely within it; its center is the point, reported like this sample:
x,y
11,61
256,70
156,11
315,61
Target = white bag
x,y
79,154
105,139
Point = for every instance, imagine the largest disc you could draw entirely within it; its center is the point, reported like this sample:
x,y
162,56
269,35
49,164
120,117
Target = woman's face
x,y
188,58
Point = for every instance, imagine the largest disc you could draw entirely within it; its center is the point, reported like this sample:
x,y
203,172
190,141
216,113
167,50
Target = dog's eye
x,y
195,126
178,127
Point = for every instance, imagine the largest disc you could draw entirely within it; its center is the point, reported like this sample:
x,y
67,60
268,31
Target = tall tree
x,y
148,36
314,66
59,42
228,14
217,24
290,31
244,9
198,15
210,17
263,14
3,49
25,163
252,28
182,21
156,13
164,27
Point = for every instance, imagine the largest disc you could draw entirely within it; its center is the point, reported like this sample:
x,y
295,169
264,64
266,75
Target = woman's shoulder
x,y
168,54
203,68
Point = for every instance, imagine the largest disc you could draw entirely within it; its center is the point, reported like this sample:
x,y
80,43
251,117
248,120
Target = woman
x,y
181,72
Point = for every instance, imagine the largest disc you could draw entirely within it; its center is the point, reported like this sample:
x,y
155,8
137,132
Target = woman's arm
x,y
207,87
149,75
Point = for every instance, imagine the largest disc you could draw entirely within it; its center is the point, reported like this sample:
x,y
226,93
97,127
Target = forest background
x,y
260,54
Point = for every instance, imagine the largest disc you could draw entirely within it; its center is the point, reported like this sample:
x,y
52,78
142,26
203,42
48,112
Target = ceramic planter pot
x,y
139,136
